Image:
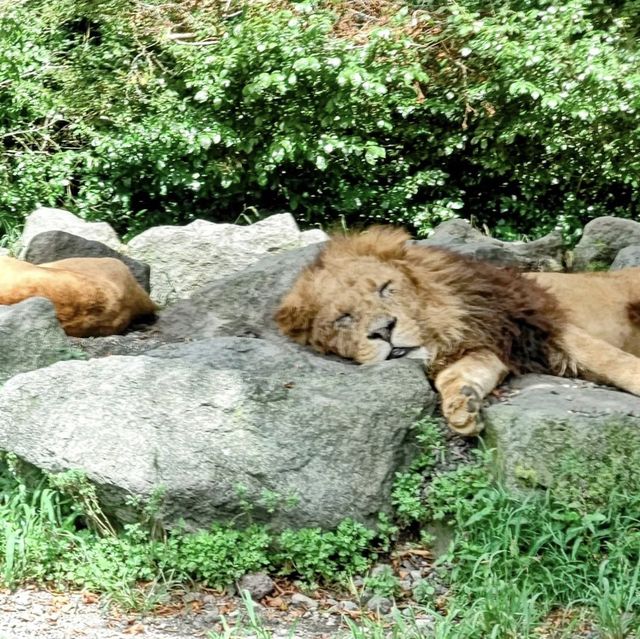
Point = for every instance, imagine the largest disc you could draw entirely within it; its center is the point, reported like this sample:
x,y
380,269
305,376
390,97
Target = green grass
x,y
516,562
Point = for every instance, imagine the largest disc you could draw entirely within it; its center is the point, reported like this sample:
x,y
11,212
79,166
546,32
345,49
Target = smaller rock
x,y
257,584
416,575
602,239
405,584
190,597
379,604
347,606
544,254
48,219
456,231
425,624
298,599
628,257
211,615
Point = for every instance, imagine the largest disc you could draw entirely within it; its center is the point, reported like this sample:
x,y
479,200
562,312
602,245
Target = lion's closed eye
x,y
344,320
386,290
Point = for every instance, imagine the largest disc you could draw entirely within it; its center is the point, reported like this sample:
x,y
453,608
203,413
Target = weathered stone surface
x,y
59,245
241,304
47,219
135,342
628,257
601,241
30,337
312,236
222,422
544,254
544,418
183,259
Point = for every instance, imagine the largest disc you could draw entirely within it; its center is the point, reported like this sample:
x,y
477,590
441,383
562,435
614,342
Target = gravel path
x,y
36,614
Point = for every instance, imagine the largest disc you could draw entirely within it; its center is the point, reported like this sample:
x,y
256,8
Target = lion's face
x,y
360,307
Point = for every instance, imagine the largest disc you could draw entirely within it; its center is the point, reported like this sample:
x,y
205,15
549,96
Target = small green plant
x,y
330,555
82,492
406,496
382,582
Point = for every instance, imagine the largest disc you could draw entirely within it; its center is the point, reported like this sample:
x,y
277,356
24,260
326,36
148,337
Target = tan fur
x,y
371,297
92,296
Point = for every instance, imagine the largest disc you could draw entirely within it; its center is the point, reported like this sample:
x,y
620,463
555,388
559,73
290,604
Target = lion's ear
x,y
385,242
295,316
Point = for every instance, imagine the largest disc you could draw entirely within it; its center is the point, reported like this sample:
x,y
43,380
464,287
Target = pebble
x,y
347,606
298,599
258,585
381,605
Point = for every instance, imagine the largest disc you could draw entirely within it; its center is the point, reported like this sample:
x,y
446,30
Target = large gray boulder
x,y
30,337
51,246
601,241
544,254
185,258
241,304
222,423
542,421
48,219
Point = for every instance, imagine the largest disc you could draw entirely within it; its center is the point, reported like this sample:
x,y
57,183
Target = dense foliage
x,y
522,114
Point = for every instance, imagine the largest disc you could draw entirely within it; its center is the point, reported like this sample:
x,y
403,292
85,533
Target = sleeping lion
x,y
372,297
92,296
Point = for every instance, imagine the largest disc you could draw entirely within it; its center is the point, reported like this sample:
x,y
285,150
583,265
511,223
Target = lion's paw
x,y
462,409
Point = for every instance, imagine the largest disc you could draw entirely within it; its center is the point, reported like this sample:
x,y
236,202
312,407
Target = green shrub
x,y
521,114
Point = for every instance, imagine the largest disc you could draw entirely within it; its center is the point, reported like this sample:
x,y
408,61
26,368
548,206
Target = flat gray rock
x,y
185,258
220,424
30,337
541,419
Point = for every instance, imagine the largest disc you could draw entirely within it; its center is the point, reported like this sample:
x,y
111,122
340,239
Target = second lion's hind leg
x,y
600,361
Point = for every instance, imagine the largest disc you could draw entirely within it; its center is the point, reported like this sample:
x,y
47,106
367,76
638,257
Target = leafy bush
x,y
522,114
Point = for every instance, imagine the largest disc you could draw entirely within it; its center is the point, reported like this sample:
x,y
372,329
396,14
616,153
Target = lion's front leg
x,y
464,384
600,361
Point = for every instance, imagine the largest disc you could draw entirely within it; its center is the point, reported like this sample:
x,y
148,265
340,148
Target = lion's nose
x,y
384,330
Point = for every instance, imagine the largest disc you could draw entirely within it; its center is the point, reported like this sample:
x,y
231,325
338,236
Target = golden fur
x,y
92,296
373,296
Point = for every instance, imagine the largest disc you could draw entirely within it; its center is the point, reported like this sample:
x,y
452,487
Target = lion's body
x,y
92,296
602,303
373,296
